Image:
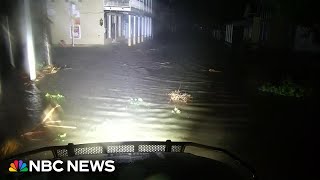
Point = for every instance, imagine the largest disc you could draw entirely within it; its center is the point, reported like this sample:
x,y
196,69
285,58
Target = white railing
x,y
137,4
116,3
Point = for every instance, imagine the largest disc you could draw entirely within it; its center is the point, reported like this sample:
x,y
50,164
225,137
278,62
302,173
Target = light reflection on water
x,y
98,104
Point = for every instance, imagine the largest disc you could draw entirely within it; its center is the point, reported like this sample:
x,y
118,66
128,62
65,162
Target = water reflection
x,y
34,103
20,110
99,108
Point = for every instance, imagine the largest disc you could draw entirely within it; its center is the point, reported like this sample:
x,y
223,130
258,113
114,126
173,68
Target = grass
x,y
285,88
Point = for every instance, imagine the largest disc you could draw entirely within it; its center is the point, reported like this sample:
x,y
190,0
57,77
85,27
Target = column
x,y
139,23
129,30
147,5
145,27
148,29
151,28
142,29
119,26
134,30
144,6
109,26
115,27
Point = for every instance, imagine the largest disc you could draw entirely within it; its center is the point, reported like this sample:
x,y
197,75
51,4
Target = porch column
x,y
109,26
145,27
129,30
134,30
148,27
151,28
142,29
139,29
119,26
115,27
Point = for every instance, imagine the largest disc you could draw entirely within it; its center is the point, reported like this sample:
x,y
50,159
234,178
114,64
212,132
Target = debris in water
x,y
50,69
137,102
62,135
34,135
53,122
49,114
213,70
176,111
52,96
177,96
66,67
63,127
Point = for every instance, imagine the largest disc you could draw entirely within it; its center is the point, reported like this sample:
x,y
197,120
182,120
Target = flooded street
x,y
237,75
120,93
101,85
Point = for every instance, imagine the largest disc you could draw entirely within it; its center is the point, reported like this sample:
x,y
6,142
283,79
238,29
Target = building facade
x,y
90,22
128,19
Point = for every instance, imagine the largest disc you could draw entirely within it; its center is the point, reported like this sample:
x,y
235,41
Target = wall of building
x,y
91,12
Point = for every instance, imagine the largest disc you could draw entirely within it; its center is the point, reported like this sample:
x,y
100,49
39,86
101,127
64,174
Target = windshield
x,y
239,75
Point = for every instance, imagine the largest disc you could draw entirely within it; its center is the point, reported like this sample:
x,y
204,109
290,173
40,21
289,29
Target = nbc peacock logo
x,y
18,166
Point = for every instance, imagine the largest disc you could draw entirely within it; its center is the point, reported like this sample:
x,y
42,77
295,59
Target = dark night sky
x,y
204,11
215,11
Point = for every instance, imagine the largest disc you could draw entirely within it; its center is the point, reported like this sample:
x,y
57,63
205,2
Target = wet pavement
x,y
120,93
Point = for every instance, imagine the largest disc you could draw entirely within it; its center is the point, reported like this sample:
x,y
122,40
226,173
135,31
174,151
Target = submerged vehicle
x,y
150,160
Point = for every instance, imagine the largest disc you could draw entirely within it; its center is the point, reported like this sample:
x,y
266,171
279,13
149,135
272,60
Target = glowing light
x,y
29,40
130,127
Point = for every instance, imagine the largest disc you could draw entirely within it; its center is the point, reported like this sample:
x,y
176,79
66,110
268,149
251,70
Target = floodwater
x,y
120,93
117,93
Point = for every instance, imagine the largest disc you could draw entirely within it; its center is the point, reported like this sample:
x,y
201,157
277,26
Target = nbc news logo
x,y
58,166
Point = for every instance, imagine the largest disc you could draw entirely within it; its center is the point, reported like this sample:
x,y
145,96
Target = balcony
x,y
125,5
117,3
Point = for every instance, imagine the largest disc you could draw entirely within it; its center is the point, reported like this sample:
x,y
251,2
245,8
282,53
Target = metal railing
x,y
72,150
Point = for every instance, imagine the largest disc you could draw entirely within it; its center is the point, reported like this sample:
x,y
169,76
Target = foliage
x,y
57,98
286,88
